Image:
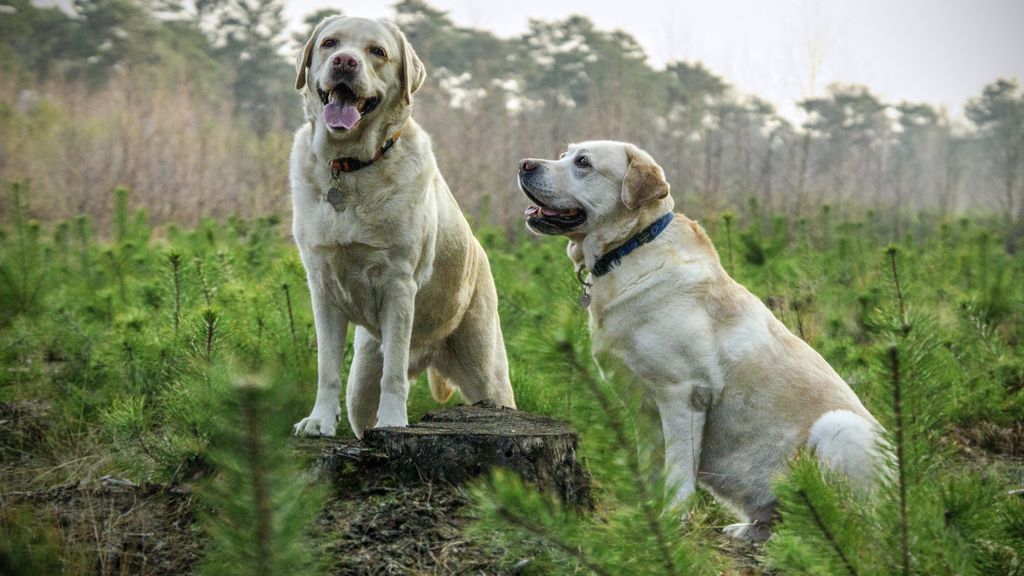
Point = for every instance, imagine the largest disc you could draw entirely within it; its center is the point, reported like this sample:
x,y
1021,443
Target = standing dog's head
x,y
594,186
354,70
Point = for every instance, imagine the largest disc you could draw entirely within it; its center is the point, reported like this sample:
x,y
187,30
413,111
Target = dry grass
x,y
185,156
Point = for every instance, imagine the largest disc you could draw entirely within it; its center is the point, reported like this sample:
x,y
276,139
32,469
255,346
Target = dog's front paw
x,y
393,421
317,425
392,412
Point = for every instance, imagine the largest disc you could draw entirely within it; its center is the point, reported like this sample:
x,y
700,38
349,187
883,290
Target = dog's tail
x,y
439,387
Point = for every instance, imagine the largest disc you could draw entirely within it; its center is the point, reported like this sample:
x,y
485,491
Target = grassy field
x,y
120,358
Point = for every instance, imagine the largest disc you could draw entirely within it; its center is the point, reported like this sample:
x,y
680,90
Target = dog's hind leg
x,y
362,395
474,357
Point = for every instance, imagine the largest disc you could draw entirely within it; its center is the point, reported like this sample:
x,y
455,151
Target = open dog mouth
x,y
548,220
343,109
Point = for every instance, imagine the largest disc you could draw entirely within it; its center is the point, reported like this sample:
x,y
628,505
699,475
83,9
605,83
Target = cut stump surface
x,y
457,444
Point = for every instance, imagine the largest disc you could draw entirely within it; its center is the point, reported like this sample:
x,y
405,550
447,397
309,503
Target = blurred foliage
x,y
263,503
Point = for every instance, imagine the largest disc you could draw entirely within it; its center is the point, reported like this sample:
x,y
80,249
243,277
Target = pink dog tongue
x,y
338,115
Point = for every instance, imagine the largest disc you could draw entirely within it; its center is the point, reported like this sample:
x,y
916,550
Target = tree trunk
x,y
801,177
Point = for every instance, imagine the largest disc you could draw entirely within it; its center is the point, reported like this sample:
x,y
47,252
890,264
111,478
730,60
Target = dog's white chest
x,y
323,224
352,276
338,227
346,257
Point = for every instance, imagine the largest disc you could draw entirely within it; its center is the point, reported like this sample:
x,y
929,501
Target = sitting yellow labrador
x,y
383,242
737,393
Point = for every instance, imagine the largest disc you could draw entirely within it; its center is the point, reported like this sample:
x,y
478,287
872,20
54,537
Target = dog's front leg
x,y
682,420
331,331
398,311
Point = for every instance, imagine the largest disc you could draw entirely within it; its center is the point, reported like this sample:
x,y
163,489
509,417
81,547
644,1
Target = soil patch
x,y
417,530
117,526
1006,442
381,520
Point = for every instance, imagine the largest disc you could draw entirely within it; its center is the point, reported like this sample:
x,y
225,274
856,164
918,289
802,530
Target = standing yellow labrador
x,y
383,242
737,393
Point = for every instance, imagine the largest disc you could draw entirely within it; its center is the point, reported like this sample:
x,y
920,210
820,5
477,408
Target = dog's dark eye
x,y
329,43
378,52
583,161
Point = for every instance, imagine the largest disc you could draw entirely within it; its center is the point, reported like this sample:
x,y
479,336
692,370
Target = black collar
x,y
612,258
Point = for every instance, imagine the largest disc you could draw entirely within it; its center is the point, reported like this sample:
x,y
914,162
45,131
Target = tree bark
x,y
453,445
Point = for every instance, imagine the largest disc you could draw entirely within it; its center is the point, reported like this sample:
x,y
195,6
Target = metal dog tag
x,y
584,301
334,197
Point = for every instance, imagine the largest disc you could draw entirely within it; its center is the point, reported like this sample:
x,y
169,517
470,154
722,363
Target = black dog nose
x,y
345,61
527,165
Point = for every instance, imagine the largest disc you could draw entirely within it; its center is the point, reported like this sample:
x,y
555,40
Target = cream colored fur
x,y
738,394
397,257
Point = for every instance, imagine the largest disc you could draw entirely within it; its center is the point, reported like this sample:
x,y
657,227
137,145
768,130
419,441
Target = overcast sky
x,y
939,51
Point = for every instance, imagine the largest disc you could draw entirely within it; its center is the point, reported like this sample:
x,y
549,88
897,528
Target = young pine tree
x,y
259,504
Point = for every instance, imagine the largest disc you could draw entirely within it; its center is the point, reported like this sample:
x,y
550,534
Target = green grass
x,y
126,339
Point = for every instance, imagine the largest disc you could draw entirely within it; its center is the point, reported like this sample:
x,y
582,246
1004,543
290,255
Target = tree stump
x,y
456,444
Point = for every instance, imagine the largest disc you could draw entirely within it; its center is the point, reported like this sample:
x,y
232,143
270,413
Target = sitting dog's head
x,y
353,70
594,186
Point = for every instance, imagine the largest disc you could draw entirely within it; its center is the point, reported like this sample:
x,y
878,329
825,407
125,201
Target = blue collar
x,y
611,259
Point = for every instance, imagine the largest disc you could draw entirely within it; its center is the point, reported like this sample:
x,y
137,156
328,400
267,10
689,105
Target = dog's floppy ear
x,y
306,56
644,181
411,71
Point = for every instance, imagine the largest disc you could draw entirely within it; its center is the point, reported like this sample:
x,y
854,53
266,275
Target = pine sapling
x,y
257,472
264,503
260,325
210,320
24,277
899,440
825,226
632,460
905,322
728,218
175,261
901,470
115,257
207,292
62,242
291,320
84,233
819,523
540,531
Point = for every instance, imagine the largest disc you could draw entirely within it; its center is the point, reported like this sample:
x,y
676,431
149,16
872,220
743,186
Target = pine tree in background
x,y
249,39
260,504
998,115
